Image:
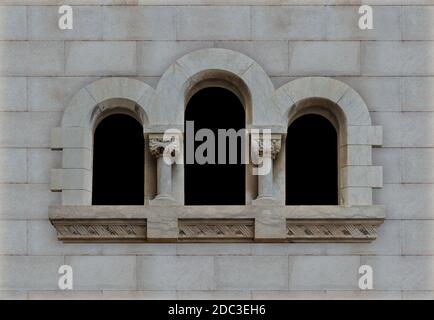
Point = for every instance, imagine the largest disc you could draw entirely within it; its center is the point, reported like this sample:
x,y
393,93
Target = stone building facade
x,y
282,59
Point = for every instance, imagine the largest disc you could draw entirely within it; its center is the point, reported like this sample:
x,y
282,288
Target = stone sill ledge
x,y
177,223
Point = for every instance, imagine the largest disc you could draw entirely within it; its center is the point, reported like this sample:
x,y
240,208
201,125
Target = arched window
x,y
311,162
118,162
214,183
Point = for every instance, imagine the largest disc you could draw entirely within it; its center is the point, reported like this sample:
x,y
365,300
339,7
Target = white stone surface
x,y
324,273
407,201
26,201
37,128
379,93
13,23
139,23
90,58
33,58
289,23
417,129
390,160
13,94
154,57
417,23
30,272
418,237
393,58
53,93
254,273
42,69
175,273
324,58
13,165
271,55
417,165
103,272
14,237
43,23
213,23
342,23
417,94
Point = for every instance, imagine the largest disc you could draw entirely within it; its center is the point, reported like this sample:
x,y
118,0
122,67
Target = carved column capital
x,y
258,145
157,145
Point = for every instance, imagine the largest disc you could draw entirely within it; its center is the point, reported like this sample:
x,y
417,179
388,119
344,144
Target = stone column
x,y
266,181
160,149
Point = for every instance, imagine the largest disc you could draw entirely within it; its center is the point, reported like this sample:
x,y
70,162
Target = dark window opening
x,y
311,162
118,162
215,184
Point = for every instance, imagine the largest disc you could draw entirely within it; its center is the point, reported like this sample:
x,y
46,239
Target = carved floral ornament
x,y
265,218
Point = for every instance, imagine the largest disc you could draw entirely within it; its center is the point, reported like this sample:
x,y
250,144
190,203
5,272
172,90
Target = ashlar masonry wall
x,y
391,67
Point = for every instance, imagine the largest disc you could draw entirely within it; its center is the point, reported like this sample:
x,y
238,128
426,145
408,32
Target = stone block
x,y
13,93
37,127
13,165
271,55
417,165
213,23
363,176
324,273
40,162
285,249
342,23
154,57
13,237
30,272
75,137
14,24
357,196
391,128
213,249
175,273
417,94
103,272
379,93
358,155
289,23
390,160
77,158
32,58
139,23
100,58
401,272
251,273
26,201
407,201
324,58
43,23
417,129
54,93
418,237
43,241
394,58
417,23
76,197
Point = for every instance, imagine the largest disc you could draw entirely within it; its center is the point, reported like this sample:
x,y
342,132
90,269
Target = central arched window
x,y
311,162
214,183
118,162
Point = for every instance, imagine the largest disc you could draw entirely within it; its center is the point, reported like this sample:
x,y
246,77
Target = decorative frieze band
x,y
332,230
224,229
100,230
216,230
